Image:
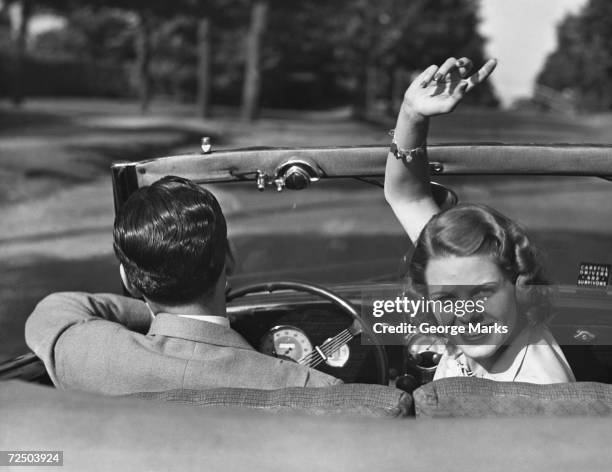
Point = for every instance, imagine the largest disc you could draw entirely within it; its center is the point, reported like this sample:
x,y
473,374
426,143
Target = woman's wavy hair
x,y
471,229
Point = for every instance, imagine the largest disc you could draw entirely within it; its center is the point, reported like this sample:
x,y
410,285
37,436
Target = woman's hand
x,y
438,90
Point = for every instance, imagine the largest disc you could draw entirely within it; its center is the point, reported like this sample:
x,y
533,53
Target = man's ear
x,y
127,284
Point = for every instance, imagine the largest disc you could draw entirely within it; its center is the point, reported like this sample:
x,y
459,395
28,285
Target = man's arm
x,y
435,91
59,312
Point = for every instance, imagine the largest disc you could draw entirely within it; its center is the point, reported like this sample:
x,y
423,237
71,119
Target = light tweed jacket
x,y
107,344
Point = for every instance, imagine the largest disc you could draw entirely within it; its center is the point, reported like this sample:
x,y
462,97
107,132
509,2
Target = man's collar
x,y
195,330
219,320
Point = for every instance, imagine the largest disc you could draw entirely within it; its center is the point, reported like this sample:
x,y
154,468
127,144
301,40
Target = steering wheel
x,y
341,303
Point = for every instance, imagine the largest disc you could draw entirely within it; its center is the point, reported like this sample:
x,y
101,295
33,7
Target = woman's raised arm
x,y
436,91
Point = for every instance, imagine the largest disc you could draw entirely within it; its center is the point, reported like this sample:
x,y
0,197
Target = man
x,y
171,241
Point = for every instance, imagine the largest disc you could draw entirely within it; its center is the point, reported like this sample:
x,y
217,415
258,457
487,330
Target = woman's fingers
x,y
460,90
482,74
445,68
465,66
426,76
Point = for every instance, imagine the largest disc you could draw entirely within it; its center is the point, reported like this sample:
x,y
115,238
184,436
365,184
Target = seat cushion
x,y
347,399
465,396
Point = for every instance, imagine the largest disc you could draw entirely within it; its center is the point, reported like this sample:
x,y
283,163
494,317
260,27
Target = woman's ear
x,y
127,284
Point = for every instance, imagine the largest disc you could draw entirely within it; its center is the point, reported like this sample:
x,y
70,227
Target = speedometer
x,y
287,342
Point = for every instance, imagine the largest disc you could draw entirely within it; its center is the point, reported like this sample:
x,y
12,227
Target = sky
x,y
521,34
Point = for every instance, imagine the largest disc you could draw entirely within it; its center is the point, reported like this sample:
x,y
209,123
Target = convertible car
x,y
313,238
318,216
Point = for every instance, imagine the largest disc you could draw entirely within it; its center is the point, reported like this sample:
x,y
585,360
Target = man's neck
x,y
213,306
209,304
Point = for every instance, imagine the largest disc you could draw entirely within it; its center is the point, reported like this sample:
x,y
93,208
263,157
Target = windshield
x,y
343,230
339,230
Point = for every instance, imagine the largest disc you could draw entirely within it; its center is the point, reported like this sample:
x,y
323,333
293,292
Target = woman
x,y
469,252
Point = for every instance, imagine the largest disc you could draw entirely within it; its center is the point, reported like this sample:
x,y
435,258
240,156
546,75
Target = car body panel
x,y
105,433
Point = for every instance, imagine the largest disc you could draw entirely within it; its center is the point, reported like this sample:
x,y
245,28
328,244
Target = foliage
x,y
69,78
316,53
338,41
581,66
90,34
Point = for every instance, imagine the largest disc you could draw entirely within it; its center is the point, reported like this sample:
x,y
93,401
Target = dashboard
x,y
294,327
294,332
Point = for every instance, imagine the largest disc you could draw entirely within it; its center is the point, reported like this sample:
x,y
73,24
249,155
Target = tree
x,y
271,52
148,13
581,66
204,66
170,43
252,75
89,35
143,8
207,14
375,41
22,11
362,47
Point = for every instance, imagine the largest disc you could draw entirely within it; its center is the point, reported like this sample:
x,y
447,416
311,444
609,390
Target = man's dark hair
x,y
171,238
